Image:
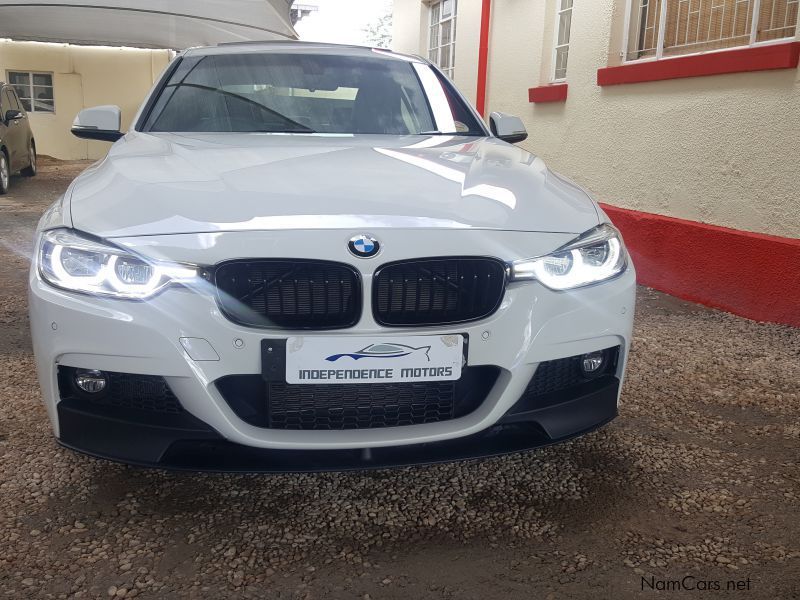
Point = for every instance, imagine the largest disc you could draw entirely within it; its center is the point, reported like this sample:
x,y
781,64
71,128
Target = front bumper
x,y
186,443
532,325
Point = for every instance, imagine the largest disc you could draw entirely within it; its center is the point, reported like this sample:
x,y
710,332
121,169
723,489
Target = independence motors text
x,y
368,374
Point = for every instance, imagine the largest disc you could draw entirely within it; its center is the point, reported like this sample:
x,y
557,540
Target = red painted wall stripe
x,y
760,58
750,274
548,93
483,57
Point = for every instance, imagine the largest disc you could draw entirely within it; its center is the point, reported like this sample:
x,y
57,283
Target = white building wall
x,y
408,22
410,30
720,149
468,33
83,76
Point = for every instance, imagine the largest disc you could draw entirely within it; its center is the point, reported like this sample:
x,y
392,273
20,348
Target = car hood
x,y
157,184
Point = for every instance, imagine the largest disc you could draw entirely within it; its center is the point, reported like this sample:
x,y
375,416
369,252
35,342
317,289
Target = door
x,y
5,106
16,133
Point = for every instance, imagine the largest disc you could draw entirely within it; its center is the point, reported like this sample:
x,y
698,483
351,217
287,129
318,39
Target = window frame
x,y
556,29
451,46
662,27
31,85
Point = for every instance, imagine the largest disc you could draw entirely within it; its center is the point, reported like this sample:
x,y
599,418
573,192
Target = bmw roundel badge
x,y
363,246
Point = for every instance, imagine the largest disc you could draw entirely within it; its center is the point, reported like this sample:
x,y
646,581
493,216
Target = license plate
x,y
348,359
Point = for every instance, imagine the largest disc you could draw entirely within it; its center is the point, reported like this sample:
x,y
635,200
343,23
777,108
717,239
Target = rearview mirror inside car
x,y
507,127
98,123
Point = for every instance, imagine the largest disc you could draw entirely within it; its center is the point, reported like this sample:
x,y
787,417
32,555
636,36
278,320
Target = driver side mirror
x,y
507,127
98,123
13,115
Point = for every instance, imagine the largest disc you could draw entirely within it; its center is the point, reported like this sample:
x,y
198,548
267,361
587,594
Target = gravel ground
x,y
698,477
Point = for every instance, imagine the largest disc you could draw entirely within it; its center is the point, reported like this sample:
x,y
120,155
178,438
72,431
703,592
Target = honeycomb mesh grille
x,y
137,392
279,405
358,406
555,375
565,373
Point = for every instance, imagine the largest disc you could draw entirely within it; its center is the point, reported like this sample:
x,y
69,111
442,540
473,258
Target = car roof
x,y
296,47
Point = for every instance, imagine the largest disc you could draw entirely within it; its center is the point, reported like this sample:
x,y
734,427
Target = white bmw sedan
x,y
306,257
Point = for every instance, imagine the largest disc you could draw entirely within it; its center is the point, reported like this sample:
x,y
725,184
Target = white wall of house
x,y
83,76
720,149
409,26
411,30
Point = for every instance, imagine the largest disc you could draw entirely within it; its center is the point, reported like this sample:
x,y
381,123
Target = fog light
x,y
91,382
592,363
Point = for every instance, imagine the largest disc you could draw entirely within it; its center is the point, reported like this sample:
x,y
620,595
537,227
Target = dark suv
x,y
17,147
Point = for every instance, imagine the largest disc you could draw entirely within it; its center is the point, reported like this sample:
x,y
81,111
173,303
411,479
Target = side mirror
x,y
98,123
507,127
14,115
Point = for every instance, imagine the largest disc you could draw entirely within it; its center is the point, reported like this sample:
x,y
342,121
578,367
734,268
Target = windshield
x,y
309,93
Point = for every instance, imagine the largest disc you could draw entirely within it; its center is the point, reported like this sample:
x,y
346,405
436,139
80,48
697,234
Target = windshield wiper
x,y
300,127
448,133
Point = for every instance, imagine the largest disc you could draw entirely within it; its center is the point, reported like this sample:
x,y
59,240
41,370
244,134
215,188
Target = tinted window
x,y
5,105
13,100
302,93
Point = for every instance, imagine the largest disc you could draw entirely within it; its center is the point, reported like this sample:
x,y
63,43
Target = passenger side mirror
x,y
14,115
98,123
507,127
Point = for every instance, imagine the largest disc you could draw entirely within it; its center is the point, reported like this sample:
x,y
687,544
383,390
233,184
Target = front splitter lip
x,y
354,463
193,446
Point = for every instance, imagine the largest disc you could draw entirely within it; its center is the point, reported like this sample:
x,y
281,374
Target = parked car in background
x,y
17,146
308,256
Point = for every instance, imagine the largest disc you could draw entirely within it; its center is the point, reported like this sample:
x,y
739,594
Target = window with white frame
x,y
663,28
35,90
561,37
442,39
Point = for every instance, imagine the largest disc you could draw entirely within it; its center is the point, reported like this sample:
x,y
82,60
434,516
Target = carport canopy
x,y
175,24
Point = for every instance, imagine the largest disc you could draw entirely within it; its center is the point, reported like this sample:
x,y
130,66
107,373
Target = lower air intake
x,y
280,405
359,406
146,393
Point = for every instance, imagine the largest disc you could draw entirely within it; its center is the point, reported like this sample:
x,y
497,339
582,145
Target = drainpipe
x,y
483,57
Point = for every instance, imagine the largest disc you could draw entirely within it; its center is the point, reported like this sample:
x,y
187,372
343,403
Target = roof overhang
x,y
176,24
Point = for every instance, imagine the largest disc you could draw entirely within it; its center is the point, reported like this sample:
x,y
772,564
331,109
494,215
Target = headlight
x,y
595,256
73,262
